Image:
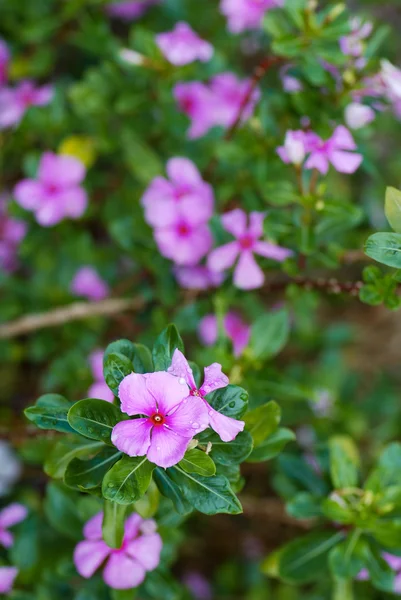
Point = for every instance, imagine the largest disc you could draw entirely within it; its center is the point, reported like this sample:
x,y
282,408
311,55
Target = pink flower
x,y
56,193
246,14
226,427
9,516
128,10
169,423
352,44
198,277
195,100
235,328
391,79
247,275
183,46
99,389
290,83
185,241
335,150
293,150
126,566
88,283
7,577
4,60
14,102
358,115
12,232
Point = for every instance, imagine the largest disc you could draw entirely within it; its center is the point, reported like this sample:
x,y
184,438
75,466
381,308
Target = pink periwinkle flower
x,y
126,566
294,149
169,421
246,14
182,45
129,10
56,193
12,232
358,115
7,577
247,275
4,60
198,277
337,150
195,100
235,328
353,43
99,388
291,84
14,102
226,427
391,78
88,283
9,516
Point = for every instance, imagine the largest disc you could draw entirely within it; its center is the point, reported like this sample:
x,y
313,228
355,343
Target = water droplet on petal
x,y
182,381
195,425
157,447
210,412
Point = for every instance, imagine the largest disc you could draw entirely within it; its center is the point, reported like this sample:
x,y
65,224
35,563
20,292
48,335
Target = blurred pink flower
x,y
235,328
99,389
185,241
293,151
198,585
246,14
169,423
88,283
9,516
214,379
56,193
337,150
129,10
182,45
4,60
198,277
290,83
247,274
12,232
394,562
195,100
7,577
358,115
14,102
125,567
352,44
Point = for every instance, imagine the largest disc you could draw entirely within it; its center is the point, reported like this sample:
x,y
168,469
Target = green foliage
x,y
50,412
127,480
94,419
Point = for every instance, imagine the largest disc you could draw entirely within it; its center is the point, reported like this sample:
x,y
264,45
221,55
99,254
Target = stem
x,y
342,589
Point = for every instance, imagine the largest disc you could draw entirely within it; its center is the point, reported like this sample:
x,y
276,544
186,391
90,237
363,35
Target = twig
x,y
271,509
329,286
66,314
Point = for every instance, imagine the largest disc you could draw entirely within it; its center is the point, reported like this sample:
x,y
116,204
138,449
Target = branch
x,y
66,314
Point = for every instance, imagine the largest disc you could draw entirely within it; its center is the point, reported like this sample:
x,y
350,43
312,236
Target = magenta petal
x,y
167,390
224,257
135,397
146,550
50,212
74,201
248,275
196,209
89,555
183,171
180,368
60,170
161,212
189,418
93,527
132,437
318,160
272,251
226,427
132,525
235,222
122,572
101,391
345,162
343,139
7,577
13,514
214,379
167,447
208,330
256,224
29,194
238,331
6,538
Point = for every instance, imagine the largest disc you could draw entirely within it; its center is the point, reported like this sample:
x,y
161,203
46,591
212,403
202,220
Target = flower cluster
x,y
125,567
237,331
183,46
9,516
99,388
246,14
88,283
12,232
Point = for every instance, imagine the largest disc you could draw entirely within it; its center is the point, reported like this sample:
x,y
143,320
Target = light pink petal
x,y
248,275
392,560
13,514
122,572
74,201
93,528
183,171
226,427
346,162
161,212
397,584
283,154
342,139
180,368
6,538
135,397
96,363
101,391
189,418
223,257
272,251
167,390
50,212
132,437
196,208
184,250
318,160
88,283
214,379
146,550
43,95
167,447
256,224
208,330
89,555
61,170
238,331
7,577
29,194
235,222
11,110
132,526
198,277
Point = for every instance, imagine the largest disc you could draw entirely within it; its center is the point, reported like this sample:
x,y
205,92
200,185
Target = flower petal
x,y
342,139
12,514
29,194
6,538
238,331
135,396
7,577
318,160
248,275
146,550
60,170
89,555
122,572
166,390
131,526
345,162
224,257
256,224
93,528
183,171
235,222
167,448
208,330
226,427
214,379
74,201
132,437
101,391
180,368
189,418
272,251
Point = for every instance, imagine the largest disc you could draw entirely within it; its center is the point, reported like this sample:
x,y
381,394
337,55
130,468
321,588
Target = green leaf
x,y
170,490
387,472
124,347
94,419
139,157
299,471
147,506
61,511
228,453
65,450
272,446
165,345
209,495
344,462
304,506
262,421
138,354
347,558
113,523
123,594
128,480
231,401
269,334
305,559
392,208
50,412
385,248
335,508
196,461
115,368
88,474
381,574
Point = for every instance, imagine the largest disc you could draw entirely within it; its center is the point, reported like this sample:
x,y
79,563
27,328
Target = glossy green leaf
x,y
113,523
164,347
88,474
392,208
231,401
272,446
171,490
385,248
262,421
124,347
269,334
94,419
347,558
304,506
50,412
149,503
228,453
116,367
61,511
301,473
65,450
344,462
387,471
196,461
128,480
